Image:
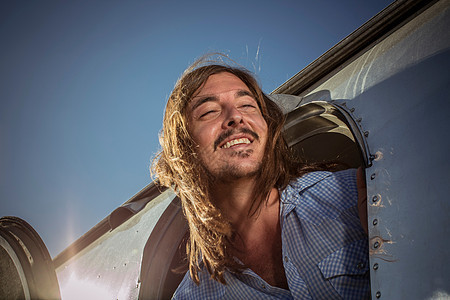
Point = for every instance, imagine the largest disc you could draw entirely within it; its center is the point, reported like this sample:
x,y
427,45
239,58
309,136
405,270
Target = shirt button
x,y
263,285
361,265
286,259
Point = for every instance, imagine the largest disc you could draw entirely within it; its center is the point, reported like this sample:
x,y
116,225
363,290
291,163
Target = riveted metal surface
x,y
398,91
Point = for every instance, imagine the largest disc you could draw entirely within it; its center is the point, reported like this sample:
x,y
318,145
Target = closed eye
x,y
207,113
248,107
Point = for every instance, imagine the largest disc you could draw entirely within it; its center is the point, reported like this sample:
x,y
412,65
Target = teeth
x,y
235,142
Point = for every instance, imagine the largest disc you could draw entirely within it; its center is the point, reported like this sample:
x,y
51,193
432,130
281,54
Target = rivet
x,y
375,266
366,133
375,222
376,245
359,120
375,198
378,294
378,155
372,177
352,109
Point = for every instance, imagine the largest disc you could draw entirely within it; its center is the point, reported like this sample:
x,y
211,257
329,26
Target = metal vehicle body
x,y
379,98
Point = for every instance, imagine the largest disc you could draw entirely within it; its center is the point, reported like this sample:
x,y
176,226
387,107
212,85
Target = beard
x,y
228,172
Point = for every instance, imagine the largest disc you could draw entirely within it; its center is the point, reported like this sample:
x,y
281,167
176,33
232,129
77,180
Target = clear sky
x,y
83,86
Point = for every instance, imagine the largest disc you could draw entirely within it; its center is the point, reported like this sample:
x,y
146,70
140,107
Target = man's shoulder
x,y
321,193
326,177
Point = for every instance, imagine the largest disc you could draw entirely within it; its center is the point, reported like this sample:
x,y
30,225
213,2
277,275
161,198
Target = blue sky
x,y
83,86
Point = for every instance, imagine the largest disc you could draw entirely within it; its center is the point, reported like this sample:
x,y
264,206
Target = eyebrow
x,y
207,98
242,93
204,100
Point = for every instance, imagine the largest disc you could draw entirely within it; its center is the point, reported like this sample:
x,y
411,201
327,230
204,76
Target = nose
x,y
233,118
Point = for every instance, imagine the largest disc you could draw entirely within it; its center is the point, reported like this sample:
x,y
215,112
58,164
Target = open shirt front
x,y
324,247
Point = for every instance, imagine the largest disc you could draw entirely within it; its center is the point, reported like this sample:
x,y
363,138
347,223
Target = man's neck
x,y
235,201
258,236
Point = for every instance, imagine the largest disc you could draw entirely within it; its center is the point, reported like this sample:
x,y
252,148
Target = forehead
x,y
220,83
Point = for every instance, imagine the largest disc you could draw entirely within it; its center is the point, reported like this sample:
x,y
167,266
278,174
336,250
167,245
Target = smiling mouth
x,y
236,142
243,140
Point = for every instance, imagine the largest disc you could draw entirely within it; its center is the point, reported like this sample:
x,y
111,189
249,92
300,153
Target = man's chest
x,y
265,259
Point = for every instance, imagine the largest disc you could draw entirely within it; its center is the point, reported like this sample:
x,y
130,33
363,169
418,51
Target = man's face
x,y
226,123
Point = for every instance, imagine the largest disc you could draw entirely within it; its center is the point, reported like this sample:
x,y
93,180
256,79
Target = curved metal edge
x,y
351,121
382,23
34,258
12,254
160,250
357,131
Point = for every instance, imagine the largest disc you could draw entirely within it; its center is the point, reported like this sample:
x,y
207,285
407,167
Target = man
x,y
262,225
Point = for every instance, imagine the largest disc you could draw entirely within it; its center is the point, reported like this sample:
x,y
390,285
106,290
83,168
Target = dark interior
x,y
322,132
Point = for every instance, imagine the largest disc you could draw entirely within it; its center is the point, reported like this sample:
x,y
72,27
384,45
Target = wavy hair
x,y
178,166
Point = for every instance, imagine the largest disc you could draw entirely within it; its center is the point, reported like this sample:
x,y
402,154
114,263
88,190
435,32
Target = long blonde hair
x,y
178,166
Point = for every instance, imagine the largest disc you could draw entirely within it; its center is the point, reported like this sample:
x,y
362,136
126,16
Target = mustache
x,y
230,132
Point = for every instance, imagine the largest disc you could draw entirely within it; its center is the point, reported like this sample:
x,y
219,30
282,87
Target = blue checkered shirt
x,y
325,249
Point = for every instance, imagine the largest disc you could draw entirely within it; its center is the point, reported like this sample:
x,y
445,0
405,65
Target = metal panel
x,y
399,88
109,267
